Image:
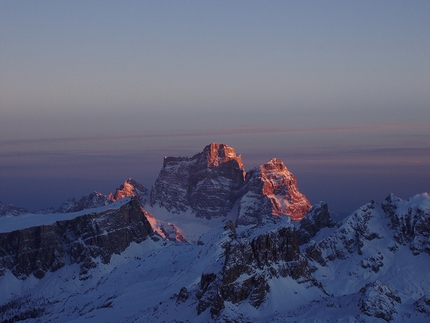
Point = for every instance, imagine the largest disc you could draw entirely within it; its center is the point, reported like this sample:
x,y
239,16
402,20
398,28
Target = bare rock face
x,y
378,300
249,263
37,250
209,182
272,190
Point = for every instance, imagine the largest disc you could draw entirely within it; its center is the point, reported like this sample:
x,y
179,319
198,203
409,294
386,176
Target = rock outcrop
x,y
271,190
422,305
316,219
378,300
208,183
164,229
37,250
409,225
249,262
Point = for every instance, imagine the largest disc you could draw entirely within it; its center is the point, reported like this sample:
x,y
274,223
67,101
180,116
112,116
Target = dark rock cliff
x,y
37,250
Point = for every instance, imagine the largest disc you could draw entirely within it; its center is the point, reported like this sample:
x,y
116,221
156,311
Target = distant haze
x,y
92,93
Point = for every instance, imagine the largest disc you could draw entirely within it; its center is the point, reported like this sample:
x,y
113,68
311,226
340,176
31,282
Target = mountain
x,y
211,182
10,209
378,255
95,199
262,254
249,261
208,183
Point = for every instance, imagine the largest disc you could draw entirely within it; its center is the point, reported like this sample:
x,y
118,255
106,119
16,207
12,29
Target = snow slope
x,y
365,274
10,223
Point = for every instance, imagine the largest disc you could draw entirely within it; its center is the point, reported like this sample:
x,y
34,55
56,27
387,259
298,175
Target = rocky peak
x,y
128,189
217,154
271,190
316,219
379,301
248,262
209,182
280,185
223,159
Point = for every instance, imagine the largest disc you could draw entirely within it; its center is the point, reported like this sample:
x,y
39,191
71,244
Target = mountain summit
x,y
208,183
212,181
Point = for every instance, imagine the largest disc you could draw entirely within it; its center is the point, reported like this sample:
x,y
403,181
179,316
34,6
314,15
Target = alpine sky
x,y
94,92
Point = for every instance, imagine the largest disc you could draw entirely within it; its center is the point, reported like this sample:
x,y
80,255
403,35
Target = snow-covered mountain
x,y
95,199
10,209
211,182
252,257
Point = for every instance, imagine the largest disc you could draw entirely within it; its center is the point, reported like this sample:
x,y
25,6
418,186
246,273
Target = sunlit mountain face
x,y
212,242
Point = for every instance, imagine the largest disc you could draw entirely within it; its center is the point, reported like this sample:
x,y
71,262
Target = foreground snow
x,y
157,280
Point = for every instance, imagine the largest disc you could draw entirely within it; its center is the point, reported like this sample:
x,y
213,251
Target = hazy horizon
x,y
92,93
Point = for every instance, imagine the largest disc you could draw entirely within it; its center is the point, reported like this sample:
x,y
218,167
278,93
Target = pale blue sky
x,y
93,92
